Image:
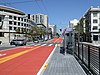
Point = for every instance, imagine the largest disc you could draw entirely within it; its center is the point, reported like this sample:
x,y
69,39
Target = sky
x,y
59,12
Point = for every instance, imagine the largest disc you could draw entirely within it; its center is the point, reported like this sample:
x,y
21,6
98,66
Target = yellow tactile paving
x,y
58,44
46,65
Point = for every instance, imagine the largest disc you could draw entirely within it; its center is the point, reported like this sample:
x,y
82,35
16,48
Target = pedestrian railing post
x,y
78,51
99,61
75,48
82,54
88,57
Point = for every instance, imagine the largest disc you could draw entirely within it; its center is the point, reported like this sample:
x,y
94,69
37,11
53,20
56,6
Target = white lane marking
x,y
37,45
43,44
3,54
41,69
11,48
50,45
27,47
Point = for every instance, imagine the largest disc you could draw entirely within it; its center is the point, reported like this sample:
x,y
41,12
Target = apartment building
x,y
73,23
91,25
53,29
40,19
12,20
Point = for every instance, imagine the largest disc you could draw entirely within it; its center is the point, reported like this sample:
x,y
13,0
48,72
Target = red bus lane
x,y
13,50
56,40
53,40
60,40
26,62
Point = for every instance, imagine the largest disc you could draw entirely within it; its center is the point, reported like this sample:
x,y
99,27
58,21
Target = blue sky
x,y
60,12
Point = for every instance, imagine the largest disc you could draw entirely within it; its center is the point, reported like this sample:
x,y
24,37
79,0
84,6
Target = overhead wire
x,y
27,1
6,4
45,8
36,1
16,2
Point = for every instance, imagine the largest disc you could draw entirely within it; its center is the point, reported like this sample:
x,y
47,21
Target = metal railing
x,y
89,55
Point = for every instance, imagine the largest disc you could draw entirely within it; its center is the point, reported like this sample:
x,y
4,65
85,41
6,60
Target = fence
x,y
89,55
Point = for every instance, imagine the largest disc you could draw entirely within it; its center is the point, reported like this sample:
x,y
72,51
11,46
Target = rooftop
x,y
13,10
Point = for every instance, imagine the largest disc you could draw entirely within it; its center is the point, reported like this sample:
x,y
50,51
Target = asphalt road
x,y
3,48
8,46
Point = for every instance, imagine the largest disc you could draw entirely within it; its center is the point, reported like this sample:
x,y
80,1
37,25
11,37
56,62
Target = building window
x,y
15,17
1,34
0,19
37,19
24,20
10,17
95,27
25,24
95,37
94,14
10,28
14,28
95,21
19,23
19,18
14,23
10,22
41,19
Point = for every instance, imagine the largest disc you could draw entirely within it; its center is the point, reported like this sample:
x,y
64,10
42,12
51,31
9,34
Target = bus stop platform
x,y
60,64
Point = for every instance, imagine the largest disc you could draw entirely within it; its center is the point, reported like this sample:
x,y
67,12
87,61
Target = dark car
x,y
36,41
18,42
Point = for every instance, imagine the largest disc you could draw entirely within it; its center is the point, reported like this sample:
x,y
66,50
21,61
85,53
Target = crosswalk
x,y
45,44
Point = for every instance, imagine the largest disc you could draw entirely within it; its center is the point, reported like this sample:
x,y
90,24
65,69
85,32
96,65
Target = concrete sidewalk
x,y
60,64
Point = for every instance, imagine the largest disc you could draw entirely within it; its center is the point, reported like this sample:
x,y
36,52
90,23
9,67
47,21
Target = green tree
x,y
37,31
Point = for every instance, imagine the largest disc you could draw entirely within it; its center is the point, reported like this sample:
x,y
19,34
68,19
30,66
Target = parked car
x,y
18,42
36,41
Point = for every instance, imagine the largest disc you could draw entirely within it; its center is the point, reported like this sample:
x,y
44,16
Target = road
x,y
26,60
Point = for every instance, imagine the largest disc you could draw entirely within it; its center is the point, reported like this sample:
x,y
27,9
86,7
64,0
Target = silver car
x,y
18,42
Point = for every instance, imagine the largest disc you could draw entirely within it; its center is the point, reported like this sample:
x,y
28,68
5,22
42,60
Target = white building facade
x,y
12,19
53,29
40,19
73,23
92,18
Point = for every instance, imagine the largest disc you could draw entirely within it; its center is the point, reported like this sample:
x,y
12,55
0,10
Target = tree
x,y
37,31
18,30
